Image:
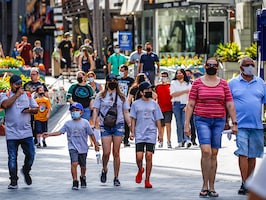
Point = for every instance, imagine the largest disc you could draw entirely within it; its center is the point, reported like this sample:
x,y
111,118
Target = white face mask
x,y
116,50
91,79
164,79
249,71
121,74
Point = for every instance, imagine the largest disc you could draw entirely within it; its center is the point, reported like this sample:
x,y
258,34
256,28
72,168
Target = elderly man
x,y
249,93
19,106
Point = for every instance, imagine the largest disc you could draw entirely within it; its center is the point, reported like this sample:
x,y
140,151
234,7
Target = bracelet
x,y
234,123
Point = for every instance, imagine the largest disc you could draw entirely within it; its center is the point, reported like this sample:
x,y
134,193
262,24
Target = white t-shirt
x,y
177,86
257,182
146,114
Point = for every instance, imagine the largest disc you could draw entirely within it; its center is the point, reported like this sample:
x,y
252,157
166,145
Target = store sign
x,y
125,40
166,5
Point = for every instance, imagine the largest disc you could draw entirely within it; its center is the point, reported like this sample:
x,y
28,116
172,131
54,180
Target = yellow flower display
x,y
10,62
182,61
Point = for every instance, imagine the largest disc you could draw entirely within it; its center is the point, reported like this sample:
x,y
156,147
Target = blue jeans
x,y
178,110
27,146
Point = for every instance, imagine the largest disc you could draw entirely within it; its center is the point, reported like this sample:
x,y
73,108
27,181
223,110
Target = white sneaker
x,y
169,145
188,144
179,145
160,145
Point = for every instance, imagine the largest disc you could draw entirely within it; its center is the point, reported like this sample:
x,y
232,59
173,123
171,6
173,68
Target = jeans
x,y
178,110
27,146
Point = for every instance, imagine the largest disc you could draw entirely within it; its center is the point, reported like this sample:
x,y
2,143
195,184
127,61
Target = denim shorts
x,y
40,127
210,130
117,130
250,142
78,157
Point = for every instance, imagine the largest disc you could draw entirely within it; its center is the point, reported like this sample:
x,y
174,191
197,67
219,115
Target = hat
x,y
144,85
66,34
110,77
76,105
15,79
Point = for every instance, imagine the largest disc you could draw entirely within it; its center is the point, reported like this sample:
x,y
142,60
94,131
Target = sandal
x,y
213,194
203,193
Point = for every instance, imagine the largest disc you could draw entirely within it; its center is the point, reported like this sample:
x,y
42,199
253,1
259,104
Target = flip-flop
x,y
204,193
213,194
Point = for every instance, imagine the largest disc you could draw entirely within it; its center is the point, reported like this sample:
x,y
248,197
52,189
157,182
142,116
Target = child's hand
x,y
96,147
131,136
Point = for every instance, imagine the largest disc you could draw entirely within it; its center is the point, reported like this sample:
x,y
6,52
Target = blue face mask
x,y
248,70
91,79
75,114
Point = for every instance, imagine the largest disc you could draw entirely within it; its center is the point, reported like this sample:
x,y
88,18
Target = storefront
x,y
180,27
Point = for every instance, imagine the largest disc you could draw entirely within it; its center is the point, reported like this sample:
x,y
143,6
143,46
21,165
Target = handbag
x,y
109,120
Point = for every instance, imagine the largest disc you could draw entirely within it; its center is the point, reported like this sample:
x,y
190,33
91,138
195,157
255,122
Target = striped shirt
x,y
210,101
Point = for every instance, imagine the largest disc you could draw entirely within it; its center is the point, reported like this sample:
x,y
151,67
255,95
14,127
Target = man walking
x,y
19,106
134,58
249,93
115,61
147,61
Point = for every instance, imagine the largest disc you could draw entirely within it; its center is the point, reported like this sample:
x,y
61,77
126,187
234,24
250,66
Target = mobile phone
x,y
24,109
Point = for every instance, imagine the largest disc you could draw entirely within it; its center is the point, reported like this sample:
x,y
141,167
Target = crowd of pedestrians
x,y
138,108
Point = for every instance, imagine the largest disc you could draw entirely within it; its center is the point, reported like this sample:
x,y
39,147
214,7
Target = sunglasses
x,y
211,65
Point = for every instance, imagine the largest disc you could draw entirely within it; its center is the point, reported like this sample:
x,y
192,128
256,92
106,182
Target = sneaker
x,y
188,144
13,184
139,176
103,176
44,143
148,184
75,185
27,177
179,145
38,145
160,145
116,182
83,183
169,145
242,190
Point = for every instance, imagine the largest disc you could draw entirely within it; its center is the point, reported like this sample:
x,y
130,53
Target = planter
x,y
228,69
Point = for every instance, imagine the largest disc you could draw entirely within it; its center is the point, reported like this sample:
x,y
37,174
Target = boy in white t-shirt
x,y
146,118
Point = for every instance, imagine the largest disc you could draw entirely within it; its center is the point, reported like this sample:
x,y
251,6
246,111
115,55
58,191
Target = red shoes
x,y
139,175
148,184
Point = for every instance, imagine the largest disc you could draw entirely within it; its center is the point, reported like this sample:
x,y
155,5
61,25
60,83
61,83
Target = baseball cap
x,y
15,79
111,77
144,85
67,34
76,105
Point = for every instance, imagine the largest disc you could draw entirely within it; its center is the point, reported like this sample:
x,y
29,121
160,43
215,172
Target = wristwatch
x,y
234,123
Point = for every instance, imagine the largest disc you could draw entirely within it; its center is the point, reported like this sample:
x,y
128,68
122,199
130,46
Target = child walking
x,y
146,118
41,118
77,131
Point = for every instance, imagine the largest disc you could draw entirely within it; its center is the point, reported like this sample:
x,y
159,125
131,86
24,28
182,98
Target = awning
x,y
131,6
211,1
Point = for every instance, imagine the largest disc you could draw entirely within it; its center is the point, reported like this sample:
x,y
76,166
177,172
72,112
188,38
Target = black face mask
x,y
41,94
148,94
211,71
112,85
148,49
80,79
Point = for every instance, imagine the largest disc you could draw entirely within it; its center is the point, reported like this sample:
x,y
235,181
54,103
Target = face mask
x,y
148,49
41,94
148,95
211,71
249,71
189,77
112,85
121,74
75,114
164,79
80,79
91,79
141,79
116,50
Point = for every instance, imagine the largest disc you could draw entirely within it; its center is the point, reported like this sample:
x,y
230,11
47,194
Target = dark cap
x,y
15,79
111,77
76,105
145,85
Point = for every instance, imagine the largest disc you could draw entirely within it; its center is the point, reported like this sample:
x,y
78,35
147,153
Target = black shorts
x,y
40,127
149,147
167,117
66,64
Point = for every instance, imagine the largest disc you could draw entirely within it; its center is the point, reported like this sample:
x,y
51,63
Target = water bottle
x,y
98,157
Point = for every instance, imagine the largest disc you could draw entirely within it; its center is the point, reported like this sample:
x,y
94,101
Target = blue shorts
x,y
80,158
210,130
250,142
86,114
117,130
40,127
